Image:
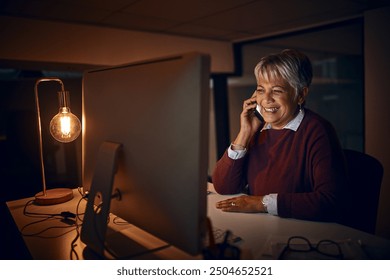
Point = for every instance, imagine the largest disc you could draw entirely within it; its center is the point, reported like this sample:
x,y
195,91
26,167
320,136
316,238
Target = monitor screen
x,y
158,110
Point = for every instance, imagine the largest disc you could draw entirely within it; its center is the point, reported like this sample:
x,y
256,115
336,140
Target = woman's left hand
x,y
244,203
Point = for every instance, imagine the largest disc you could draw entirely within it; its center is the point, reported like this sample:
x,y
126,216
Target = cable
x,y
65,216
77,210
37,234
73,244
33,214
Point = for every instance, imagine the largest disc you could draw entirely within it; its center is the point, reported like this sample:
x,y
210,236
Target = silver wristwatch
x,y
265,202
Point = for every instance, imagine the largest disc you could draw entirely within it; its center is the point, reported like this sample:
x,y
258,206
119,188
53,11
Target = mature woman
x,y
290,163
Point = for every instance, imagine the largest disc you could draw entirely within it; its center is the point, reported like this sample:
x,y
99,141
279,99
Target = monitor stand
x,y
99,238
94,229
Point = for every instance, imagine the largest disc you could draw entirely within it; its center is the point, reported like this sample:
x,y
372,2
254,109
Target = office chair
x,y
365,175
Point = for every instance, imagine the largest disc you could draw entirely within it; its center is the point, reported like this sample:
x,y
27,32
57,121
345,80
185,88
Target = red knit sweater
x,y
305,168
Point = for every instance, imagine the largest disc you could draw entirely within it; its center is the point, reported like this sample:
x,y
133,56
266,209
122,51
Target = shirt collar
x,y
293,124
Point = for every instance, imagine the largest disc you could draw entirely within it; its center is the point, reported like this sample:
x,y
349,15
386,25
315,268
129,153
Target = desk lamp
x,y
64,127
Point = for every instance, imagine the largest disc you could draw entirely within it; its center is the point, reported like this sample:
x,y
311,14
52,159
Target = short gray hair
x,y
290,65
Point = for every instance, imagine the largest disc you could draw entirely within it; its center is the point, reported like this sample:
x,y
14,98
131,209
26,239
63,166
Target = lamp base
x,y
54,196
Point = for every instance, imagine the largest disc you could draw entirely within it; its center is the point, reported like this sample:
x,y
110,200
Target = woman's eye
x,y
260,91
277,91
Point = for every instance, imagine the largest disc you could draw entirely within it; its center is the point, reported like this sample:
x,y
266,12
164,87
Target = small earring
x,y
300,107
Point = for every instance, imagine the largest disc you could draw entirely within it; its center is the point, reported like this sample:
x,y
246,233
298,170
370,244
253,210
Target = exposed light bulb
x,y
65,127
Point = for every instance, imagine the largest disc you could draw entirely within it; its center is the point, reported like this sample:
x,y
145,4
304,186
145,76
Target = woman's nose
x,y
268,96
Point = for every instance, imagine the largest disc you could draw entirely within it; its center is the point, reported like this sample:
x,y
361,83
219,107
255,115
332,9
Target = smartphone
x,y
258,114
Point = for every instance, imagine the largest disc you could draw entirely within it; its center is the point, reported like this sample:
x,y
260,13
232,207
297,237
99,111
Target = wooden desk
x,y
57,238
256,230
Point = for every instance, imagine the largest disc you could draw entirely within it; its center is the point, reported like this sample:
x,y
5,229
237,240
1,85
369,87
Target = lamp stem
x,y
40,126
63,99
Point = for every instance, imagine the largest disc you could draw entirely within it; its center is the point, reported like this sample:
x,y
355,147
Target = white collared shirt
x,y
294,124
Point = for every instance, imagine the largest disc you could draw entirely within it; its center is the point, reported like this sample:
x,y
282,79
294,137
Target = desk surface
x,y
260,230
58,239
257,232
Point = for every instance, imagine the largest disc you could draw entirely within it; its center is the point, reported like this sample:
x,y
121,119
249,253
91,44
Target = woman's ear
x,y
302,96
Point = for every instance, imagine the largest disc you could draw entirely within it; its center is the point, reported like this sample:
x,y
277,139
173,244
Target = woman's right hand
x,y
249,123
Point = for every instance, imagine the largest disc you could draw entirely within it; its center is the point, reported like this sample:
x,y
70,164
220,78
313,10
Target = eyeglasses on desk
x,y
299,247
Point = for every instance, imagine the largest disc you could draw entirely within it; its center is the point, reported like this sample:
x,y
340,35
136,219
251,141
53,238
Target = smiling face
x,y
278,101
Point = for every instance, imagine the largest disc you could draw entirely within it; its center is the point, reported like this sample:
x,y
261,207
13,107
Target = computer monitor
x,y
158,110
